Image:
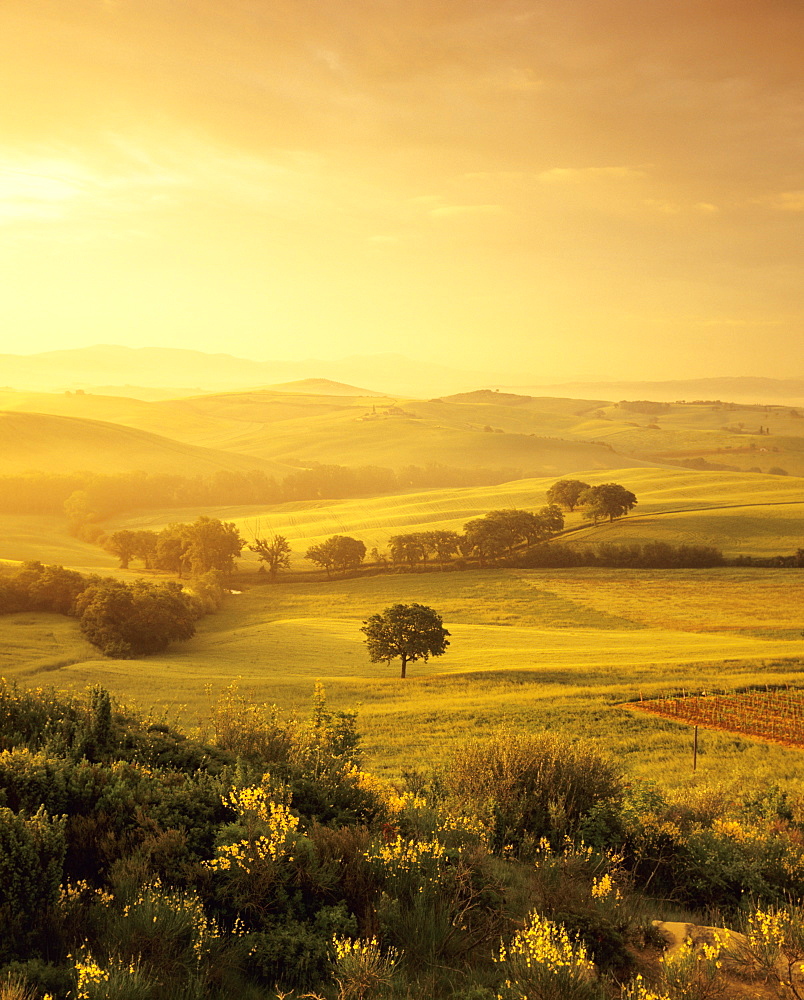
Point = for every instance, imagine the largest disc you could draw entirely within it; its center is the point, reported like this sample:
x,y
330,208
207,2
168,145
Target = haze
x,y
569,189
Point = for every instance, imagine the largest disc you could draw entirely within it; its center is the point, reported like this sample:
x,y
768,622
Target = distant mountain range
x,y
323,387
192,372
162,372
788,392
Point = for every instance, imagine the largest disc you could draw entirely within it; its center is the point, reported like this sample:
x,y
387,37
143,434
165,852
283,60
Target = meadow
x,y
561,653
533,650
282,431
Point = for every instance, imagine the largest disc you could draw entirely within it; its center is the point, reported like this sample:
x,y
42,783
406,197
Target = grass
x,y
535,650
540,436
44,538
759,530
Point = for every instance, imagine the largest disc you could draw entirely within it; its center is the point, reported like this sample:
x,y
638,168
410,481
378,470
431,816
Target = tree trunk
x,y
404,665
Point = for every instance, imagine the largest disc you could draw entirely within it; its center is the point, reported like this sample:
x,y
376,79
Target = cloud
x,y
788,201
680,208
128,174
576,175
40,188
453,211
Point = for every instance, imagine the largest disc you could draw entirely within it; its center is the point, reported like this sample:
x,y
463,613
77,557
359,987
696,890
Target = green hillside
x,y
173,418
726,434
741,513
44,538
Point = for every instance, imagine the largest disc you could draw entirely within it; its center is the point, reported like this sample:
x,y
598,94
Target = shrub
x,y
542,963
533,786
295,955
125,621
362,968
31,859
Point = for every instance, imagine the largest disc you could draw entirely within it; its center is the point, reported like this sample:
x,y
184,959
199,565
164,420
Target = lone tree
x,y
406,631
274,551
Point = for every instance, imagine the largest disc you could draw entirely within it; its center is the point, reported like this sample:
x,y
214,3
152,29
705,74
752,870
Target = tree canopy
x,y
125,620
607,500
205,545
500,531
566,493
274,551
339,553
406,632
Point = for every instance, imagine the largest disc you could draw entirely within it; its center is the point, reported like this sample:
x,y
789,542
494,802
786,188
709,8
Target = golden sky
x,y
565,189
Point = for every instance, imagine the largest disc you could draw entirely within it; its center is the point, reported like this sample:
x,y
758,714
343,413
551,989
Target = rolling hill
x,y
323,422
323,387
57,444
103,364
746,389
289,429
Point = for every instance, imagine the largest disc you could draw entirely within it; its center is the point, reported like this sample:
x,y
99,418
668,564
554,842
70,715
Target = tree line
x,y
207,545
486,539
89,497
498,535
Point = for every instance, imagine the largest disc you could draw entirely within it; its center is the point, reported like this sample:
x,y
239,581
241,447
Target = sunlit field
x,y
556,649
738,512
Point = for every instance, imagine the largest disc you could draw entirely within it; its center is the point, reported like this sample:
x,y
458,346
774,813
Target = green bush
x,y
295,955
533,785
32,849
125,620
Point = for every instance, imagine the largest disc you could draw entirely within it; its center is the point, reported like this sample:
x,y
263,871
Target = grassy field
x,y
539,436
737,531
740,513
529,649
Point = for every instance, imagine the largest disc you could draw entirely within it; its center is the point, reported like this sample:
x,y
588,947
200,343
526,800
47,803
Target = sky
x,y
561,189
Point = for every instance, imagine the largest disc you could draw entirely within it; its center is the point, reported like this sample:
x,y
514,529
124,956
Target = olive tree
x,y
407,632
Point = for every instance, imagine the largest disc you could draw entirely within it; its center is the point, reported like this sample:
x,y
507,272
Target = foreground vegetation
x,y
260,858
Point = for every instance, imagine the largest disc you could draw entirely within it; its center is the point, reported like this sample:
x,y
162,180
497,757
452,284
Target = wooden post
x,y
695,749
